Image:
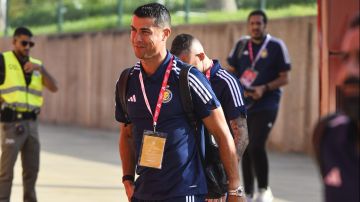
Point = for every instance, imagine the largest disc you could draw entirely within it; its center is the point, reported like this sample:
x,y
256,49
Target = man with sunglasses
x,y
21,82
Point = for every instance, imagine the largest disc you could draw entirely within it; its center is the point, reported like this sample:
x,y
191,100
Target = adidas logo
x,y
132,99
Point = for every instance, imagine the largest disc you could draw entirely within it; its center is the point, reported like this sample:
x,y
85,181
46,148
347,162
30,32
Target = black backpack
x,y
214,170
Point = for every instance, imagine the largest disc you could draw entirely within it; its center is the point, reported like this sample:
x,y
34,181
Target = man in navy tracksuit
x,y
156,139
262,64
226,87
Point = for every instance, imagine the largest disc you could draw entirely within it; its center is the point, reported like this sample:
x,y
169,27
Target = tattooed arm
x,y
240,132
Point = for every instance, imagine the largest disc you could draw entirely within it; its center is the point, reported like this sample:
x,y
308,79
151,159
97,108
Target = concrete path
x,y
82,165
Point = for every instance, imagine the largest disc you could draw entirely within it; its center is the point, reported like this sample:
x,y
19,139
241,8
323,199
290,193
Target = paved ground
x,y
82,165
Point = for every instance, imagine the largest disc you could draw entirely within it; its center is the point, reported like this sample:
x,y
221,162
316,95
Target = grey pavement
x,y
82,165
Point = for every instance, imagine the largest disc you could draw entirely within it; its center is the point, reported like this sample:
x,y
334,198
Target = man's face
x,y
256,26
22,45
192,57
146,38
350,48
349,71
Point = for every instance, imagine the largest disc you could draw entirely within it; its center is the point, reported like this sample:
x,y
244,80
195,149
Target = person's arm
x,y
216,125
127,155
281,80
48,80
240,133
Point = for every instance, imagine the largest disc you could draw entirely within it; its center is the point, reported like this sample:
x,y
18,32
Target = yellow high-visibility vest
x,y
14,91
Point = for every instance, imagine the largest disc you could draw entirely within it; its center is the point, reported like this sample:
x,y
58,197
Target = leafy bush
x,y
272,3
44,12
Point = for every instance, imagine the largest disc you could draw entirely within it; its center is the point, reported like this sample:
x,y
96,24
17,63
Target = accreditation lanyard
x,y
251,53
161,94
209,70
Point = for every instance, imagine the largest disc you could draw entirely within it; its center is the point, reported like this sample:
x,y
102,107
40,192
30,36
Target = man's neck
x,y
20,57
259,40
152,64
207,64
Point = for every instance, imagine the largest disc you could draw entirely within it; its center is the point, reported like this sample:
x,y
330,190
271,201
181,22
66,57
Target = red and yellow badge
x,y
167,96
264,53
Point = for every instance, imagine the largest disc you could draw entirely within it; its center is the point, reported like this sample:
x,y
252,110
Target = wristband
x,y
128,178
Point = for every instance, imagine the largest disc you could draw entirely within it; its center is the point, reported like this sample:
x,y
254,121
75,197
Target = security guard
x,y
21,82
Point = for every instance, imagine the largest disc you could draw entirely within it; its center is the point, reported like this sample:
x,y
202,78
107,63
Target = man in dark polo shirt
x,y
21,82
227,87
337,136
156,139
262,64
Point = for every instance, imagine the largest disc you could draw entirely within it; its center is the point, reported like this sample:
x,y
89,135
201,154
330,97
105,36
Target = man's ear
x,y
184,57
201,56
14,41
167,32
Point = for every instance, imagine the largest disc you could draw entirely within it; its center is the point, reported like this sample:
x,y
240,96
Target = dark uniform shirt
x,y
339,158
181,173
273,60
228,90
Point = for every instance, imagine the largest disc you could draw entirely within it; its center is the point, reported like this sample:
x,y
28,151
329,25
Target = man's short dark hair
x,y
181,43
258,12
154,10
22,31
355,22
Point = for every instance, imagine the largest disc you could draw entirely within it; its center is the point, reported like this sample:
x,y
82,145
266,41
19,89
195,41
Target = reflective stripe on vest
x,y
14,91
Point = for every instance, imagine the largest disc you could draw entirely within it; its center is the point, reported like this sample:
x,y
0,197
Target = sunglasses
x,y
26,43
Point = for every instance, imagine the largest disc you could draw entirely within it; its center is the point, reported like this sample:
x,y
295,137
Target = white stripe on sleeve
x,y
233,86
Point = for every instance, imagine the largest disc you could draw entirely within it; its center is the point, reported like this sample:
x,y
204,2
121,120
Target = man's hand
x,y
30,67
257,93
48,80
129,189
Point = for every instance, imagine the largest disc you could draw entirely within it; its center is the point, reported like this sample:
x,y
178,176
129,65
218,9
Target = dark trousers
x,y
255,161
193,198
13,142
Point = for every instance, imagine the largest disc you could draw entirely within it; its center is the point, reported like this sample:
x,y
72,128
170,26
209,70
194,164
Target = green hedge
x,y
45,13
272,3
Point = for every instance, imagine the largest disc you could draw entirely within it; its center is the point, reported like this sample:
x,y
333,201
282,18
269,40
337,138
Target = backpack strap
x,y
122,89
185,95
188,106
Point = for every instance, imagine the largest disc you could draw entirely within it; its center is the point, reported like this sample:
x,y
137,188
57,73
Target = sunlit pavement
x,y
82,165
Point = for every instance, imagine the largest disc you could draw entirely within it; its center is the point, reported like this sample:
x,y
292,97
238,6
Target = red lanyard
x,y
209,70
251,53
161,94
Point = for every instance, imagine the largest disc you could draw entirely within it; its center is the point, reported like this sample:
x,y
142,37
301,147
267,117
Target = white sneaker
x,y
249,198
264,195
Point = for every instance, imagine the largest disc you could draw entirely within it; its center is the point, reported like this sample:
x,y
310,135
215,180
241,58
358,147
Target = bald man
x,y
226,87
